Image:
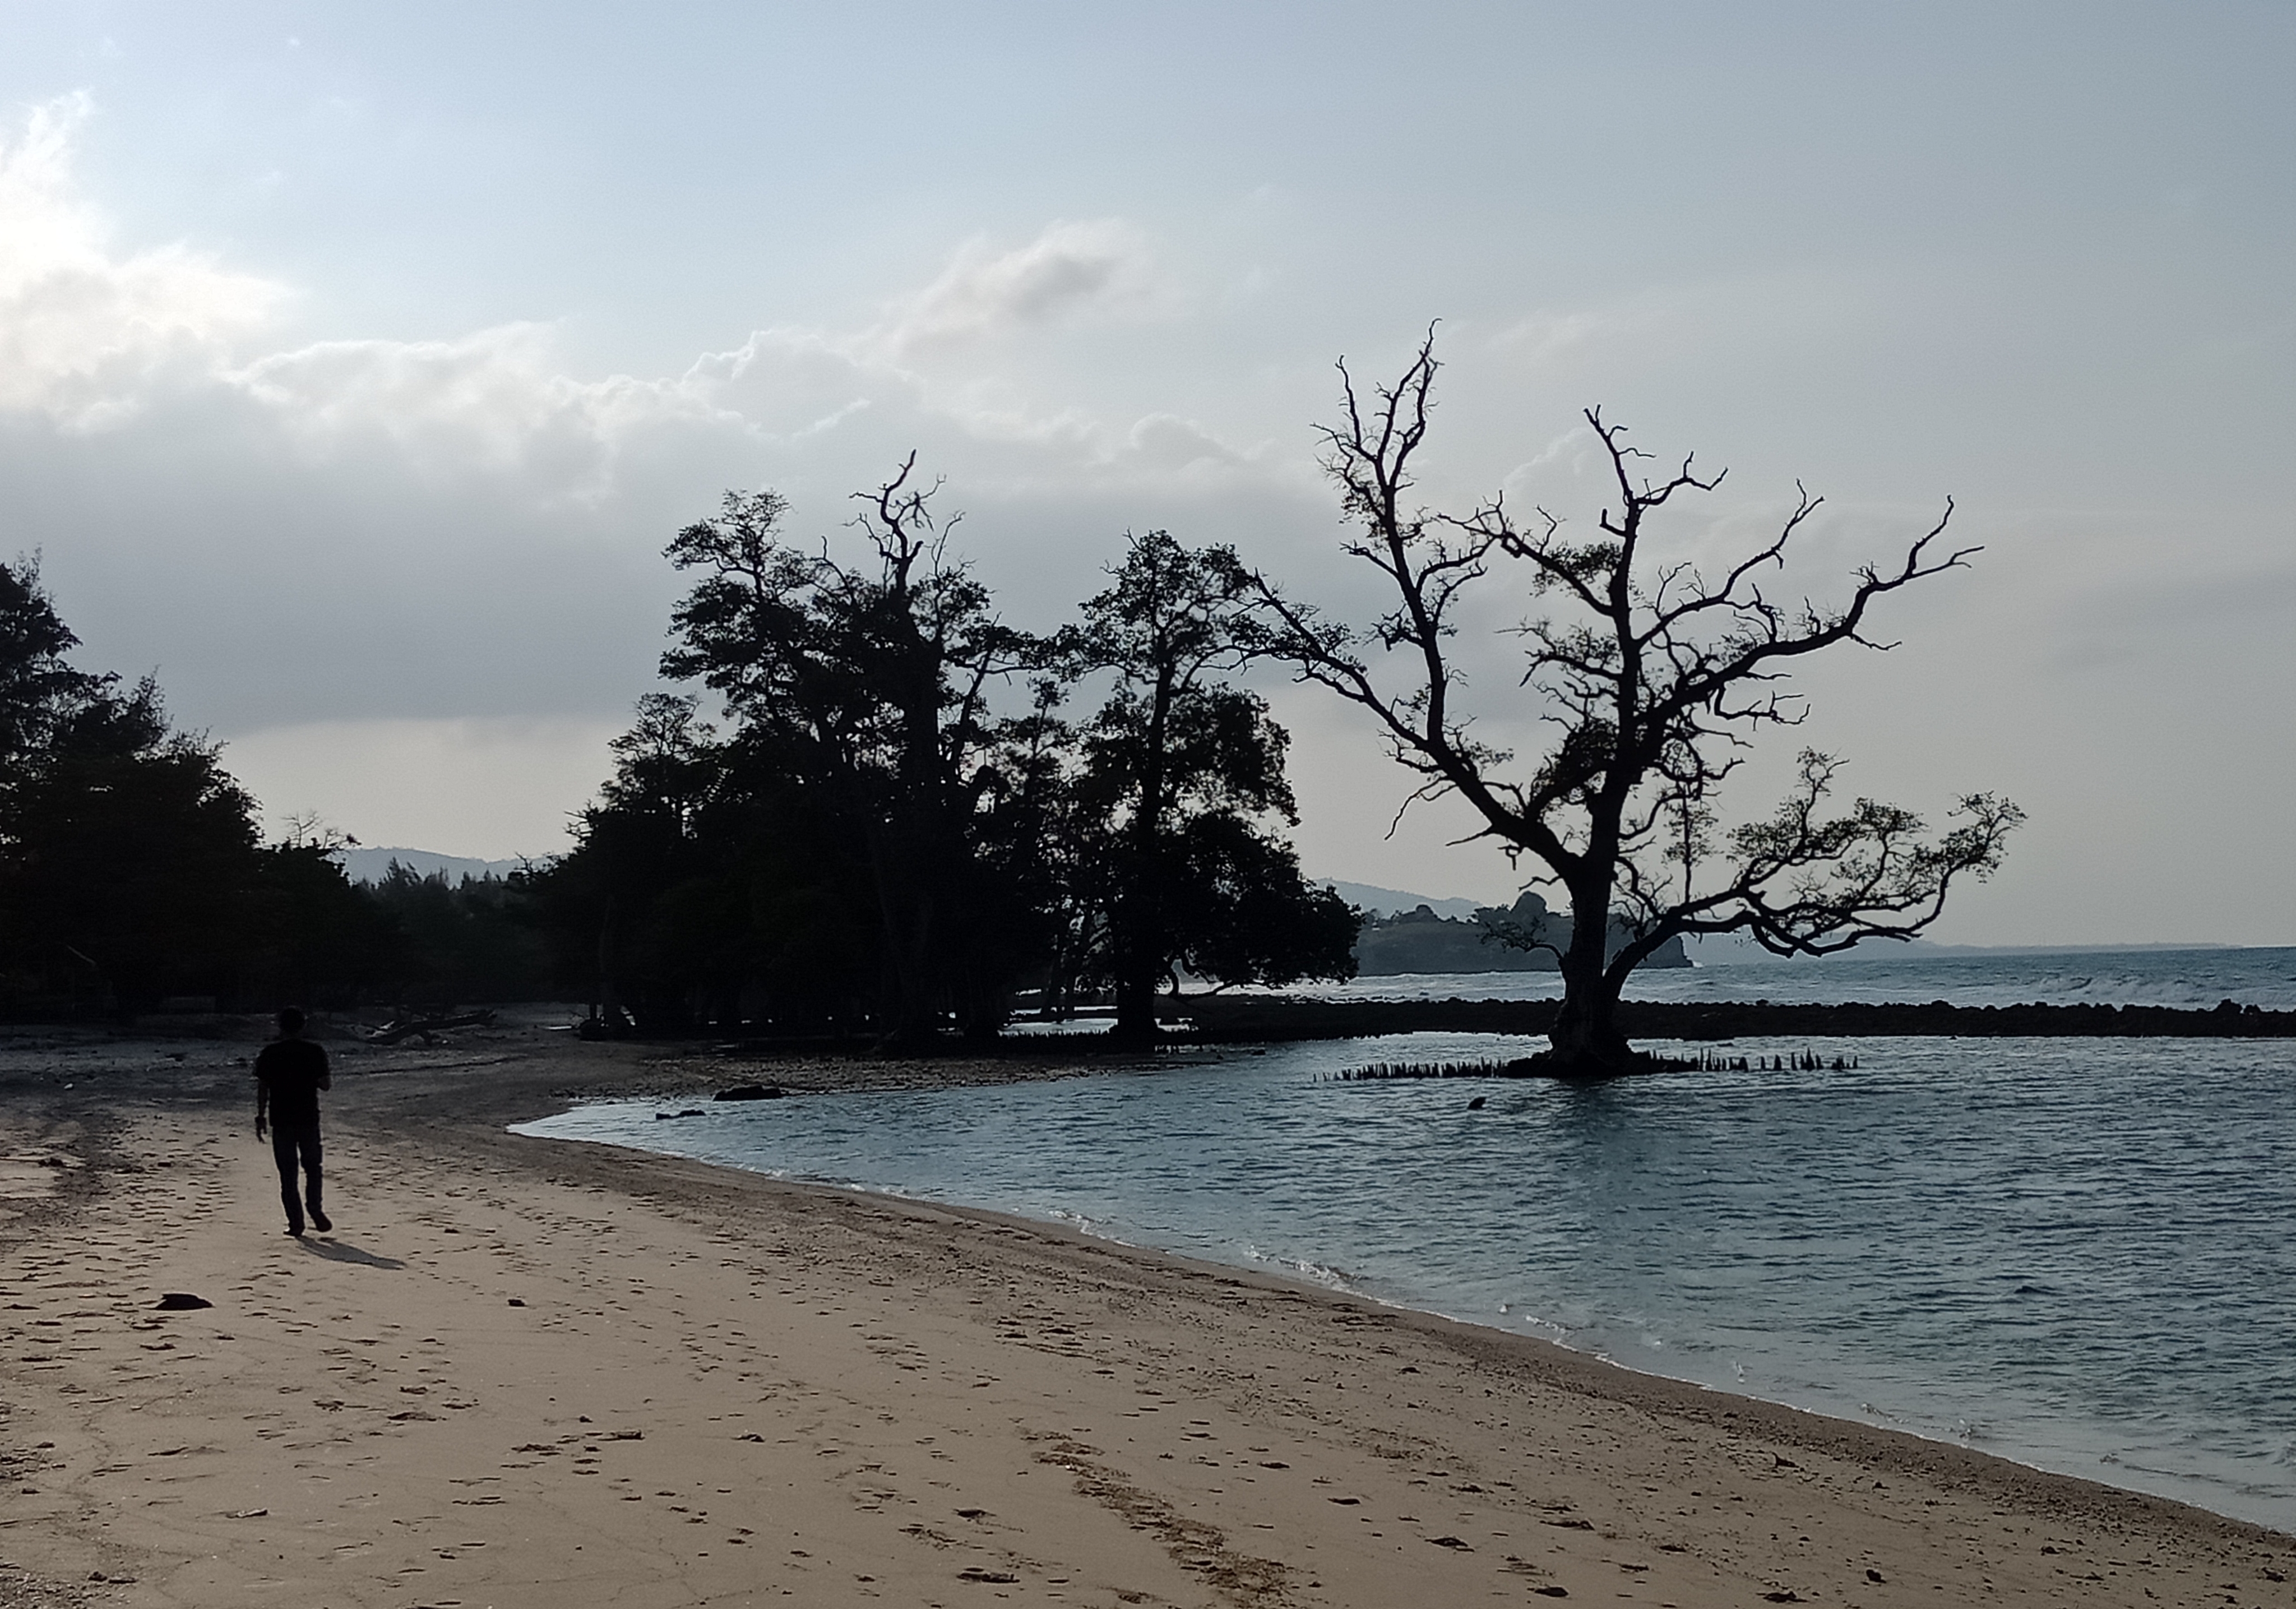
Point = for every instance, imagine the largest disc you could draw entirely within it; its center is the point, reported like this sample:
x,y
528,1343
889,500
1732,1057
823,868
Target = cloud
x,y
1069,269
496,400
469,526
1542,338
94,337
452,545
85,331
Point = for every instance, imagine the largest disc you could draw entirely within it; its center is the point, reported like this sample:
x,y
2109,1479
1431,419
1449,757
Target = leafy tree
x,y
127,854
130,864
1180,767
38,688
869,687
642,840
1654,676
703,886
313,935
450,941
1239,912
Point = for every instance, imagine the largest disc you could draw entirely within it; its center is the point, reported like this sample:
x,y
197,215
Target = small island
x,y
1523,938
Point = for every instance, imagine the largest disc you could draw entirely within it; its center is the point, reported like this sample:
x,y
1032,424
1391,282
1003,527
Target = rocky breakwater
x,y
1233,1020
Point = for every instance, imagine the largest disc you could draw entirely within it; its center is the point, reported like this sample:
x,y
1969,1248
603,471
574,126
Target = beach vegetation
x,y
133,873
895,827
128,857
1180,767
710,883
861,698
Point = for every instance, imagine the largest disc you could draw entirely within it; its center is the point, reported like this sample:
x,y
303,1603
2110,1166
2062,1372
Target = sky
x,y
356,363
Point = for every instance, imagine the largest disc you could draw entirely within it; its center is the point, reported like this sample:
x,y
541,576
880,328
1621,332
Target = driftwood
x,y
424,1027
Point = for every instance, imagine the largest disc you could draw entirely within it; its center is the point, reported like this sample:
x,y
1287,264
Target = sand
x,y
527,1372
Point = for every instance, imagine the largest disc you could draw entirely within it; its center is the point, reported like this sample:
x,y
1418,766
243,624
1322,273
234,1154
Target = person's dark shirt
x,y
294,1071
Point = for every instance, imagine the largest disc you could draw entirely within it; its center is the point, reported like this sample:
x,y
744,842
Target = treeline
x,y
899,817
132,872
915,817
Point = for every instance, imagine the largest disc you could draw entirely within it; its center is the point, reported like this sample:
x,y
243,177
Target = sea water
x,y
1888,974
2073,1252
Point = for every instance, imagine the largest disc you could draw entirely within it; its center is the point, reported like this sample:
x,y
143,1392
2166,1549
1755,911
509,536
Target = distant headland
x,y
1525,937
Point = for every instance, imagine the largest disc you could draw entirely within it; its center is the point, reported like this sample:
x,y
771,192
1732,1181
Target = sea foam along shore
x,y
523,1371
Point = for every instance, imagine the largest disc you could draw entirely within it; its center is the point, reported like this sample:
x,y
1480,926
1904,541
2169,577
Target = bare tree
x,y
1656,678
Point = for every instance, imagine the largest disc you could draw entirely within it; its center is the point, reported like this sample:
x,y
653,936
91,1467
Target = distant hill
x,y
1422,941
364,865
1393,902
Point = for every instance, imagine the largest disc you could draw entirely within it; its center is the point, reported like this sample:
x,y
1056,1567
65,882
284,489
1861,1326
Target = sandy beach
x,y
529,1373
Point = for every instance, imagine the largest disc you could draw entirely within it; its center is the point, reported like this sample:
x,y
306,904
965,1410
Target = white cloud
x,y
468,527
496,400
84,331
1164,441
93,336
1068,269
788,385
791,390
1542,338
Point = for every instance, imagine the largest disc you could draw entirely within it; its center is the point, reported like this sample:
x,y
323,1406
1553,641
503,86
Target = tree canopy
x,y
128,858
898,830
868,689
1180,767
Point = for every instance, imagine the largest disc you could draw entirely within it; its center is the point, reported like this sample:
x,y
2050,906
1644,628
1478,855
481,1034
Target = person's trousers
x,y
292,1143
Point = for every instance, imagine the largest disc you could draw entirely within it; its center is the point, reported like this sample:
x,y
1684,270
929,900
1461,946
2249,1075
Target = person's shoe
x,y
321,1221
296,1230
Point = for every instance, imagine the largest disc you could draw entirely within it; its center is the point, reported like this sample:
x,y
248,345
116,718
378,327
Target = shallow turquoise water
x,y
2072,1252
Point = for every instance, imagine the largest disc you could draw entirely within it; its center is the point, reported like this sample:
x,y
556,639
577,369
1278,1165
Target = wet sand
x,y
522,1372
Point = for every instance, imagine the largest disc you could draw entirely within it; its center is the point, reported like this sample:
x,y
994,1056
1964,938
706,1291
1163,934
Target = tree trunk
x,y
609,984
1140,959
987,1003
917,1023
1586,1042
1585,1038
908,1017
1135,1012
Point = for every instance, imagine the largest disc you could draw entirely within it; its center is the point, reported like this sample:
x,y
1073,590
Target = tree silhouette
x,y
128,857
38,687
1179,765
130,865
1656,677
873,683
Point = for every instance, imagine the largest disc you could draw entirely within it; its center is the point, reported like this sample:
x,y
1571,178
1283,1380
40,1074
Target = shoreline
x,y
1594,1374
1338,1288
1214,1021
1102,1410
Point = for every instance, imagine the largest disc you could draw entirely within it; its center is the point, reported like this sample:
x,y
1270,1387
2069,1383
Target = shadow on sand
x,y
342,1251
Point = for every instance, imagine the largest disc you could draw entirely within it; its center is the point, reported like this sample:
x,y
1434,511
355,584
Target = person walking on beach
x,y
289,1074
